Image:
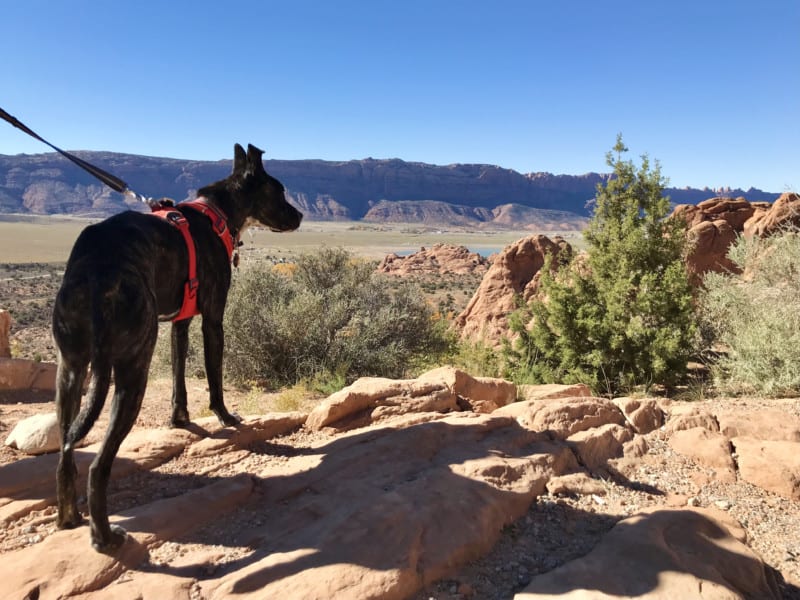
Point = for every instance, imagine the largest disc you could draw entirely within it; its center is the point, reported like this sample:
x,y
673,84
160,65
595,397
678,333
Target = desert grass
x,y
26,239
49,239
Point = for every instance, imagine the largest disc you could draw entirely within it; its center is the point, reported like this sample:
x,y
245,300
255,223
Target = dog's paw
x,y
228,419
180,417
115,540
70,521
179,423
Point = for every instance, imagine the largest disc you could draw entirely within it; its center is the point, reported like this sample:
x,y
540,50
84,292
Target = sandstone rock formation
x,y
734,211
784,212
334,505
513,274
5,330
714,224
770,464
22,374
662,554
551,391
439,259
763,449
372,399
707,447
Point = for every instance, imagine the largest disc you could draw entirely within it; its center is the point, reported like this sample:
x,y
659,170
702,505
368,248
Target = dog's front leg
x,y
180,347
213,344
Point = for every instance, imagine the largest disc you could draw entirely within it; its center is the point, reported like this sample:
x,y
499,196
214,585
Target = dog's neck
x,y
225,201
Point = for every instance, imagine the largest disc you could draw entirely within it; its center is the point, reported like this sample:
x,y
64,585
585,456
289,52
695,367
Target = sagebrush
x,y
753,317
329,317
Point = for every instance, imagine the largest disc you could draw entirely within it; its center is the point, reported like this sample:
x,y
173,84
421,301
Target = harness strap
x,y
189,304
219,223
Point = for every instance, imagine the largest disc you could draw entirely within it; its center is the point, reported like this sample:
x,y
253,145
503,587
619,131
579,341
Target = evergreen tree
x,y
621,315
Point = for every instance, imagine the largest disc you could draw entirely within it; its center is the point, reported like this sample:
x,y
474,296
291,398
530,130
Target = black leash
x,y
115,183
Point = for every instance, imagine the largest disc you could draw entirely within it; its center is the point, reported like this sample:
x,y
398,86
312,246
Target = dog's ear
x,y
254,162
239,160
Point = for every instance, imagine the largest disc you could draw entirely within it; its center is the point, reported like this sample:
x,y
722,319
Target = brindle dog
x,y
123,276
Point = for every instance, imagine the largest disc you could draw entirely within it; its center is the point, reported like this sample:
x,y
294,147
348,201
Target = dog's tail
x,y
101,367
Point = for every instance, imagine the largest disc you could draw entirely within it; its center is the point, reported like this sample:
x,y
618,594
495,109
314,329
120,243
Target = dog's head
x,y
264,194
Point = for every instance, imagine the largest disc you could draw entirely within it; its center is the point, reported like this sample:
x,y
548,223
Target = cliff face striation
x,y
371,189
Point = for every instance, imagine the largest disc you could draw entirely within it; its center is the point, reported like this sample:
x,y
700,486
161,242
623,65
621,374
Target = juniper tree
x,y
622,314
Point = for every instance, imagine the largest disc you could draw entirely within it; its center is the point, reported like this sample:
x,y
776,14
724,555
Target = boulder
x,y
710,242
694,417
440,259
354,405
654,555
763,424
708,448
596,446
551,391
580,484
5,330
446,389
564,417
784,213
644,415
513,274
734,211
753,223
480,394
35,435
771,465
714,224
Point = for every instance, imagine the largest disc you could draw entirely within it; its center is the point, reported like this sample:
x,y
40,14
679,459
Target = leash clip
x,y
151,202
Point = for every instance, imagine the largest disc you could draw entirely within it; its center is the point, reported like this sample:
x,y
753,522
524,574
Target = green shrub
x,y
622,316
161,364
755,317
332,315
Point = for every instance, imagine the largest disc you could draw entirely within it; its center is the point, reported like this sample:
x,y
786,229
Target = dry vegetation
x,y
534,544
33,251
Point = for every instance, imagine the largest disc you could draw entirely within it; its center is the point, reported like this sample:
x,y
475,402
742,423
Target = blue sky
x,y
709,88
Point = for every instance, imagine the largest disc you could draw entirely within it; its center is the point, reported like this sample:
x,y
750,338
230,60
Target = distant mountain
x,y
370,189
505,216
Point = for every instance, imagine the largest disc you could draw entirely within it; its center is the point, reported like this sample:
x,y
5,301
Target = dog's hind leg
x,y
213,342
69,383
131,342
130,381
180,347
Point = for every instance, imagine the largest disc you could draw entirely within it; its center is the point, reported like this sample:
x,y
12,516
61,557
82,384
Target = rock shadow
x,y
380,509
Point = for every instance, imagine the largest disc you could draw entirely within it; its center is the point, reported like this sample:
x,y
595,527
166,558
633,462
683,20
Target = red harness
x,y
219,223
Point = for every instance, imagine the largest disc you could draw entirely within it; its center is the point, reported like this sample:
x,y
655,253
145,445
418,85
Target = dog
x,y
123,276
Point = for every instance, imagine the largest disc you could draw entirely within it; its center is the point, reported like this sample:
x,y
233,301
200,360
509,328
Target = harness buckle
x,y
219,224
191,287
175,217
